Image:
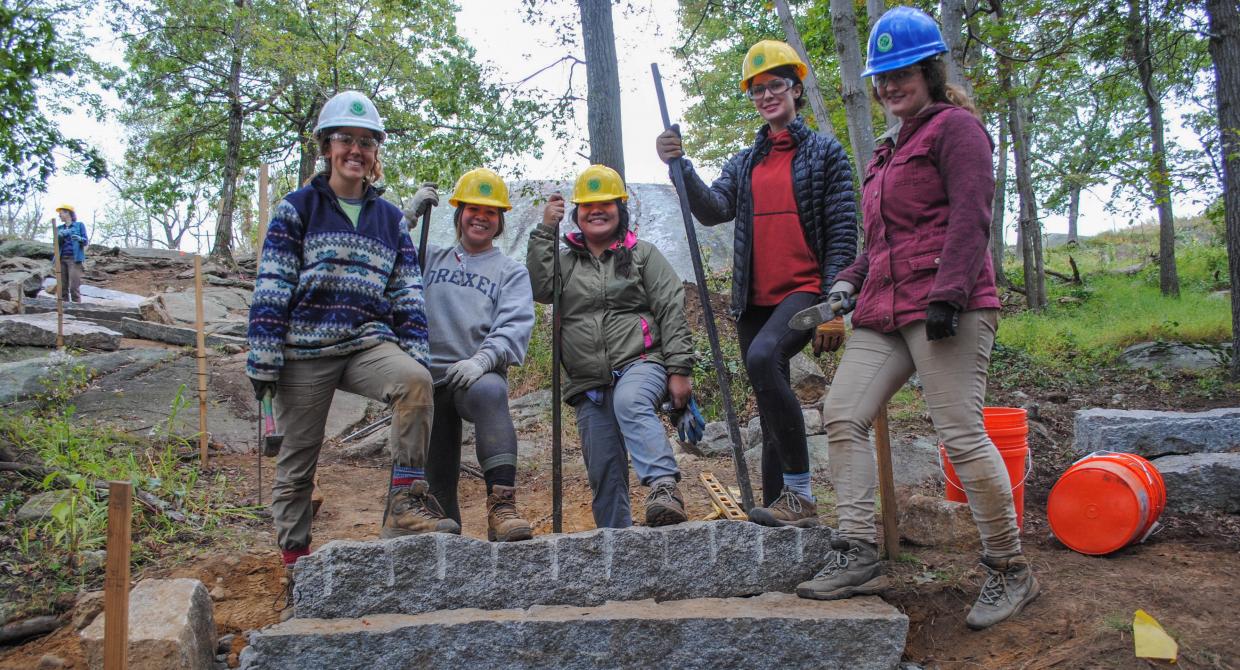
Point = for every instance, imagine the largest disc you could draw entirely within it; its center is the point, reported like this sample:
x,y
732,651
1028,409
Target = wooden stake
x,y
60,305
264,205
886,485
202,362
116,579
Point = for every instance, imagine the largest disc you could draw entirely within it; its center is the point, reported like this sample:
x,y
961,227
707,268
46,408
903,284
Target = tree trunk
x,y
874,9
952,13
998,207
1074,210
1225,52
1030,228
232,158
1139,47
602,84
812,92
853,89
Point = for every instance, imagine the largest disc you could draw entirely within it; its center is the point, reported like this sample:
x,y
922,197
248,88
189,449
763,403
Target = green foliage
x,y
536,373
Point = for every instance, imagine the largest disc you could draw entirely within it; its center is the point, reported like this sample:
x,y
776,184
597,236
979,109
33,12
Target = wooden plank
x,y
203,437
886,485
60,305
116,579
264,206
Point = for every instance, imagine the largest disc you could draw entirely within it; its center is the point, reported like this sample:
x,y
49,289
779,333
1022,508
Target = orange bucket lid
x,y
1098,507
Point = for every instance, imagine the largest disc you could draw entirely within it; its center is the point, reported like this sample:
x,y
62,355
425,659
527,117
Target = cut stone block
x,y
417,574
171,627
1152,434
39,330
1201,481
773,630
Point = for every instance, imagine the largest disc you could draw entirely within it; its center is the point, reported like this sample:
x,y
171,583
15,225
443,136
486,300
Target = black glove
x,y
263,388
941,320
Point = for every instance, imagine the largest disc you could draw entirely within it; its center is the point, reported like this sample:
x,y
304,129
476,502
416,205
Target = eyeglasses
x,y
896,77
775,86
363,143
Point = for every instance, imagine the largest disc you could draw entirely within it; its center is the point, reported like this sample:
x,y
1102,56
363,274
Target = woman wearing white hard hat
x,y
626,345
791,196
927,304
338,304
481,311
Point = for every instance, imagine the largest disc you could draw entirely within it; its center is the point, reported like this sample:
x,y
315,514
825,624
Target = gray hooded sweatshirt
x,y
479,303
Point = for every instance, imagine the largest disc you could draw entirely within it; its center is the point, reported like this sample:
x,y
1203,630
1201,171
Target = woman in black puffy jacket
x,y
791,196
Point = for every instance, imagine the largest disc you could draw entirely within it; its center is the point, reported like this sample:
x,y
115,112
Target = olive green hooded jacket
x,y
609,321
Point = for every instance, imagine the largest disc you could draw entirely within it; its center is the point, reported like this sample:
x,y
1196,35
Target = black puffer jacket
x,y
822,179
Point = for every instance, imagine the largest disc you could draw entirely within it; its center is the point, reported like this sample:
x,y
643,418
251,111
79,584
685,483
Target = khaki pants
x,y
304,396
953,374
70,280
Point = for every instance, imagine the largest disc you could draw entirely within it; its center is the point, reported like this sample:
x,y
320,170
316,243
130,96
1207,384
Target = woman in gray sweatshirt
x,y
480,313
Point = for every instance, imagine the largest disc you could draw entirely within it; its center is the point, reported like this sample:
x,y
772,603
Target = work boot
x,y
414,510
789,509
284,601
1010,585
503,522
852,569
664,506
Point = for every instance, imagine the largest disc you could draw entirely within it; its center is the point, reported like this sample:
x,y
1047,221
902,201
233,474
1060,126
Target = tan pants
x,y
953,375
70,280
304,396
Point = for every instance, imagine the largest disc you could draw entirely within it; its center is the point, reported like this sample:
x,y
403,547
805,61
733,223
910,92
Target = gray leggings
x,y
485,404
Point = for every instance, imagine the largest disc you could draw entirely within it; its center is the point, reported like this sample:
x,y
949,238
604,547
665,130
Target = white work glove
x,y
426,197
840,298
462,374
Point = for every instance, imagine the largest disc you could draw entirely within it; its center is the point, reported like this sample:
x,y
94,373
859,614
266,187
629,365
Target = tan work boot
x,y
414,510
789,509
1010,585
503,522
664,506
284,601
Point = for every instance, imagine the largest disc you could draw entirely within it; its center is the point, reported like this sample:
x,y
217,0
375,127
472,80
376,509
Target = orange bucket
x,y
1008,429
1105,502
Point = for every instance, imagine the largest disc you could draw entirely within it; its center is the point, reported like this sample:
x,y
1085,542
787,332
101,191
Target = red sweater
x,y
782,261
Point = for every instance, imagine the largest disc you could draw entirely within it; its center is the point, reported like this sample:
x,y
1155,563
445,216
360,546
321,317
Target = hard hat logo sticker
x,y
594,184
357,108
758,60
484,189
884,42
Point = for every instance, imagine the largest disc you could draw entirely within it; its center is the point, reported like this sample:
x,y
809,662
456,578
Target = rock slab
x,y
1202,481
1152,434
417,574
1174,355
171,627
773,630
39,330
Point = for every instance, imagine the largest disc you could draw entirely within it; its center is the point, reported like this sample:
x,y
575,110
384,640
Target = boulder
x,y
152,309
21,284
1174,356
218,303
716,441
26,248
929,521
39,506
1202,481
773,630
1153,433
171,627
807,379
39,330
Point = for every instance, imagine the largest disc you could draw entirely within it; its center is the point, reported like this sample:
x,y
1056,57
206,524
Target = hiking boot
x,y
503,522
789,509
664,506
852,569
284,601
1010,585
414,510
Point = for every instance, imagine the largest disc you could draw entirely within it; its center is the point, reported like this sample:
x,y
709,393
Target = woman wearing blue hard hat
x,y
791,196
926,304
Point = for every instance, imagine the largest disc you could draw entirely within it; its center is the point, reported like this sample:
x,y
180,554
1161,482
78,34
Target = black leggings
x,y
486,405
767,344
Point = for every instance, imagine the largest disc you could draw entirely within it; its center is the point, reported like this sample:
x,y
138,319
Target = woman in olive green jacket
x,y
625,342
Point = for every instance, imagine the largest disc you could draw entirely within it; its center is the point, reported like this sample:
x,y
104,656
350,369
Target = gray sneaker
x,y
1010,585
852,569
789,509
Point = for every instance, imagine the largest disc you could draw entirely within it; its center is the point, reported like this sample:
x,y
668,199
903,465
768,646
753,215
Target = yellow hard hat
x,y
768,55
597,184
481,186
68,208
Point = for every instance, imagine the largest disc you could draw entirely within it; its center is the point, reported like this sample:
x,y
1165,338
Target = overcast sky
x,y
500,35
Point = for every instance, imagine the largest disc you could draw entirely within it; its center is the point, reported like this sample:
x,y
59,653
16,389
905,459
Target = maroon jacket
x,y
926,204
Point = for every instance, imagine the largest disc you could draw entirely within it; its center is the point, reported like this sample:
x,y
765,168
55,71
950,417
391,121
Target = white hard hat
x,y
350,109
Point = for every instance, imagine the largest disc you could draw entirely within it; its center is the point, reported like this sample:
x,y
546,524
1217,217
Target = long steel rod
x,y
557,464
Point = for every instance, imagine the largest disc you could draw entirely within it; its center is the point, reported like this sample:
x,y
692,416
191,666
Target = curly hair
x,y
934,71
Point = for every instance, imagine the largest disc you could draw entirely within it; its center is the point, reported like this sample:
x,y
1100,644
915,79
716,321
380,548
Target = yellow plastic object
x,y
67,208
1150,640
599,183
768,55
481,186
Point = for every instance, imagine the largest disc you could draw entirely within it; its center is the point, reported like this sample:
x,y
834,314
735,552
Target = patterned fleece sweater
x,y
325,288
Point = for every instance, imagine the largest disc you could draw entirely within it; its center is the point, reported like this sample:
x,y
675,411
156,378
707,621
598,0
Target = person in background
x,y
71,236
791,196
927,305
626,344
481,313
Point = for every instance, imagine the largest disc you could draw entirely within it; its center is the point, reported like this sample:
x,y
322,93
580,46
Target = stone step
x,y
422,573
1153,434
773,630
109,316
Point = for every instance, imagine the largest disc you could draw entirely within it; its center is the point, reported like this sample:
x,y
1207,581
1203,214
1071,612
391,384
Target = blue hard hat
x,y
902,36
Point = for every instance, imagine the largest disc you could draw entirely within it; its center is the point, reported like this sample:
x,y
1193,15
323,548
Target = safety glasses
x,y
896,77
775,86
347,140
